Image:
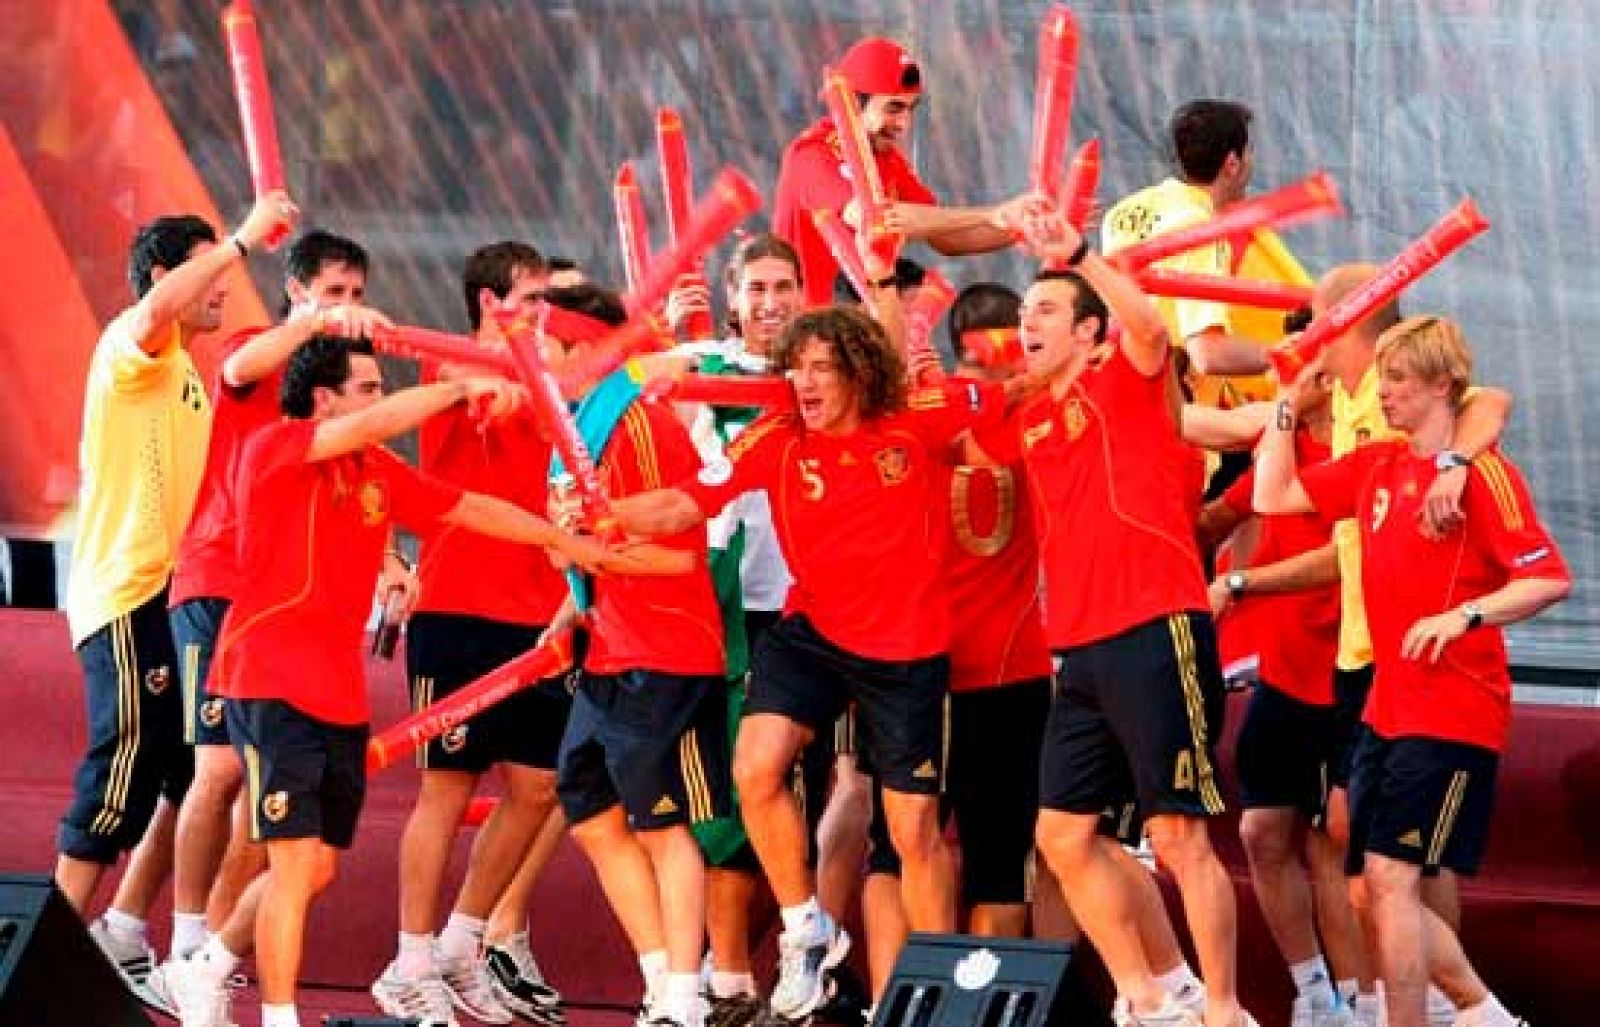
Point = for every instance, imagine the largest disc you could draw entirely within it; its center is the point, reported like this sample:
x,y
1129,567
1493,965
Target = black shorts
x,y
899,705
445,652
1424,801
1134,718
1350,690
656,743
196,623
1285,753
991,789
135,752
307,777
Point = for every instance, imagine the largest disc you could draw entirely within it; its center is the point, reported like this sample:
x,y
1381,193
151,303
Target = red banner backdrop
x,y
88,155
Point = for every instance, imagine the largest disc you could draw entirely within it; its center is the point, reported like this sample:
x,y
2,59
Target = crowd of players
x,y
914,598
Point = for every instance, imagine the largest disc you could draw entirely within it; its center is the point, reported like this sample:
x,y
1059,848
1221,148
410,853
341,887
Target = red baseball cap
x,y
877,65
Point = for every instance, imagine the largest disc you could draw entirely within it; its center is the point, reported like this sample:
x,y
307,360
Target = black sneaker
x,y
737,1011
522,991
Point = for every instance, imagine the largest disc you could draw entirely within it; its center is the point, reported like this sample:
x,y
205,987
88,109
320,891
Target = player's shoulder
x,y
764,430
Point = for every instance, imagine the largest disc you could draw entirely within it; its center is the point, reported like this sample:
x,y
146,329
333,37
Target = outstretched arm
x,y
392,415
185,284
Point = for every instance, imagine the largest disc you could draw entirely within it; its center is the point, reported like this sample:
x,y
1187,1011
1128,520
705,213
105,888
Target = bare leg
x,y
1184,848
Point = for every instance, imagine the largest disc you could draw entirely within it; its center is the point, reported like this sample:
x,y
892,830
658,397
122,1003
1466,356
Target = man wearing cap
x,y
888,84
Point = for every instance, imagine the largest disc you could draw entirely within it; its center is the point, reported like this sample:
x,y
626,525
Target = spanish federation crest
x,y
275,806
374,503
1074,417
894,464
156,679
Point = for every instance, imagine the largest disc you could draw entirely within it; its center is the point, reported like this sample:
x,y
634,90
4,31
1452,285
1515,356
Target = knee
x,y
1065,840
1267,841
914,830
445,792
758,777
531,791
1181,843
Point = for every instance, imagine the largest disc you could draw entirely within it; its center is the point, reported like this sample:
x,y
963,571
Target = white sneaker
x,y
426,1000
1171,1014
1321,1010
521,987
471,989
801,962
135,962
200,999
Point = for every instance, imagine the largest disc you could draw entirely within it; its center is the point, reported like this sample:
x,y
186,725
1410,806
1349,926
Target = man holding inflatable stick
x,y
644,756
1424,768
318,497
874,91
1126,609
466,624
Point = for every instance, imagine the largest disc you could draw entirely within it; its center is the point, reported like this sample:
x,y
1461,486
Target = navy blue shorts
x,y
1285,753
899,722
307,777
1424,801
196,623
445,652
656,743
1135,718
136,752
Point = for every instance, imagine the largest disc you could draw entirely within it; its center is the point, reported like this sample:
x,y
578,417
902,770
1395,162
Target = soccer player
x,y
645,752
1215,157
1126,610
763,293
317,500
866,621
888,84
1278,604
1422,781
468,622
1358,418
324,285
146,422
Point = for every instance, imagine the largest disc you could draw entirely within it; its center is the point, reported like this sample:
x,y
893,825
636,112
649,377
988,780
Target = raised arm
x,y
185,284
952,231
394,415
1278,489
270,350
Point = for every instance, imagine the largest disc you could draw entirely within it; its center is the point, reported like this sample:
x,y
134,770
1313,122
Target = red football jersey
x,y
1110,480
992,574
311,544
860,519
208,561
1466,696
1294,634
812,177
668,623
463,572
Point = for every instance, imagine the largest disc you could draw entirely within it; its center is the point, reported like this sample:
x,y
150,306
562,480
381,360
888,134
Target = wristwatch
x,y
1473,613
1235,582
1449,459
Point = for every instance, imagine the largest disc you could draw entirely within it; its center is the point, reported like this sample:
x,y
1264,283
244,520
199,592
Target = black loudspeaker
x,y
958,980
52,974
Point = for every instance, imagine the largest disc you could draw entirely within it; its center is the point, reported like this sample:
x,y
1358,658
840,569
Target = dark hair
x,y
1296,320
908,274
1204,132
493,267
761,246
595,301
308,255
982,305
164,243
322,361
1085,301
866,358
555,264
